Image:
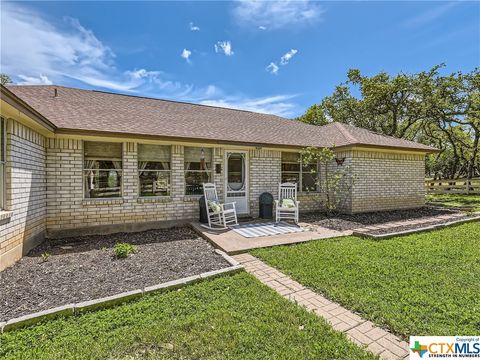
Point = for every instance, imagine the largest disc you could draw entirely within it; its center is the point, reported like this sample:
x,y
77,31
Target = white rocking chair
x,y
287,191
219,215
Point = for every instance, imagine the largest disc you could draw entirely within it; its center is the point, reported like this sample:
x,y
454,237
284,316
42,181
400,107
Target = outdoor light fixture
x,y
340,161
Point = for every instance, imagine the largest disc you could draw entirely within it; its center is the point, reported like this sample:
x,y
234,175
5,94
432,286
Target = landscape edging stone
x,y
109,301
413,231
30,319
171,285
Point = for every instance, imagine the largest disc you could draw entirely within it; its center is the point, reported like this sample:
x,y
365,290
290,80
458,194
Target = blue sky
x,y
276,57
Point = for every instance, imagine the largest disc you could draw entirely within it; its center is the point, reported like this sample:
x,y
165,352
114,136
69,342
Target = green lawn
x,y
422,284
455,200
233,317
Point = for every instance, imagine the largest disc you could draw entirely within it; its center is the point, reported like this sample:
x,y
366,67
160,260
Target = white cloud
x,y
31,80
272,68
262,27
34,51
225,47
142,74
32,46
280,105
194,27
186,54
277,14
288,56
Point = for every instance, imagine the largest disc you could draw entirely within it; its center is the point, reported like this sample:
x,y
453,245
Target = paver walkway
x,y
357,329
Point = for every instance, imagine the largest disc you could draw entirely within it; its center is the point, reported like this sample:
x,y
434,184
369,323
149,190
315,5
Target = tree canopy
x,y
428,107
5,79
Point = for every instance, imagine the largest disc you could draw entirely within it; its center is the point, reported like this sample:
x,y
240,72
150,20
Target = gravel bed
x,y
84,268
344,222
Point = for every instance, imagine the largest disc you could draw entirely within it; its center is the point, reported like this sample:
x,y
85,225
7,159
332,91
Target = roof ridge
x,y
344,131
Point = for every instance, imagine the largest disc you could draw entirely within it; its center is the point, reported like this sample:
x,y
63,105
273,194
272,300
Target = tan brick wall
x,y
264,175
68,209
310,202
45,187
385,181
25,193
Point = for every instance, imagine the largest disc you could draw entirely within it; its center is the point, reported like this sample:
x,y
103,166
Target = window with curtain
x,y
102,169
294,171
154,170
198,169
3,143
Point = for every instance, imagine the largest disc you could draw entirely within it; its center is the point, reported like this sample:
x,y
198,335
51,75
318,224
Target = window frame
x,y
112,159
3,162
197,171
300,173
169,176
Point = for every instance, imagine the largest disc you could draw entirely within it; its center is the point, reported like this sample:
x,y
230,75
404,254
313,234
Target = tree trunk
x,y
471,163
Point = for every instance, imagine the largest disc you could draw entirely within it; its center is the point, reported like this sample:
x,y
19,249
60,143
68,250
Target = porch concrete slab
x,y
232,243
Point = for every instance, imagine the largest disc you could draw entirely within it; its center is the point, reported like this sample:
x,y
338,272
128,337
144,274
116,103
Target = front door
x,y
236,179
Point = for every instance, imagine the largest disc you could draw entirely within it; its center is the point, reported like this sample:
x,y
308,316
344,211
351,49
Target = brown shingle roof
x,y
90,110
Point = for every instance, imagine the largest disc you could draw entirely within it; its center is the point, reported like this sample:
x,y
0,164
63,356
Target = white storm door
x,y
236,180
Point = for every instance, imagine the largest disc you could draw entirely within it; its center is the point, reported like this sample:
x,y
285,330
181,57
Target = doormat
x,y
265,229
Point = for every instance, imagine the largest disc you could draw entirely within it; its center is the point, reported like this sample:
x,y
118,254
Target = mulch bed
x,y
344,222
84,268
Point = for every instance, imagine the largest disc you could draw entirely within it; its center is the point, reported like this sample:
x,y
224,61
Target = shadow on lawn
x,y
456,200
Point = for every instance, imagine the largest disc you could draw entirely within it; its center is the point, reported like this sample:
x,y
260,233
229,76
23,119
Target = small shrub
x,y
122,250
45,256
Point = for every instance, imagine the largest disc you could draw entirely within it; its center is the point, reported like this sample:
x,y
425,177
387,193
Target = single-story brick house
x,y
79,161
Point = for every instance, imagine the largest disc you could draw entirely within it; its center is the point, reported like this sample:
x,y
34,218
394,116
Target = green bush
x,y
122,250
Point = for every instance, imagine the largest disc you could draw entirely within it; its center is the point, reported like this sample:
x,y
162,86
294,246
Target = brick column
x,y
130,173
178,172
265,175
64,181
218,179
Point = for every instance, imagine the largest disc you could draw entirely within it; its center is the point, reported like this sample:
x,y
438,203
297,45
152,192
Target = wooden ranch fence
x,y
457,186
